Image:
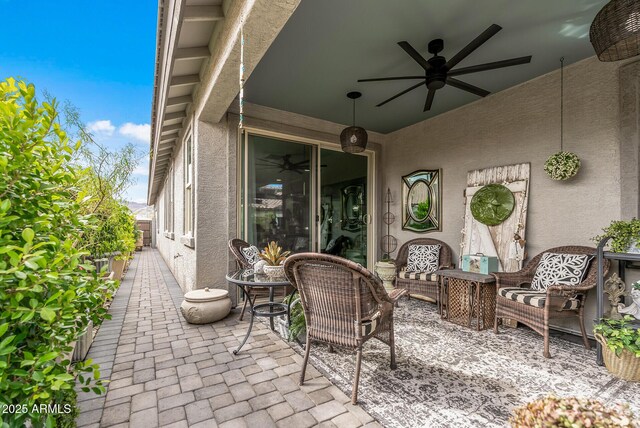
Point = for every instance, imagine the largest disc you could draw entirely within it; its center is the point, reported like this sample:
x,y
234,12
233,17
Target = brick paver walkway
x,y
166,372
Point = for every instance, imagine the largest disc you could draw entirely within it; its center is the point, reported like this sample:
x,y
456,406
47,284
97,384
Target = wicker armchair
x,y
426,286
559,301
344,305
236,245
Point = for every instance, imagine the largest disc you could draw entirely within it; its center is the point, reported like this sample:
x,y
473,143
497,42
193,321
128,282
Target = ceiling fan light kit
x,y
353,139
438,71
615,31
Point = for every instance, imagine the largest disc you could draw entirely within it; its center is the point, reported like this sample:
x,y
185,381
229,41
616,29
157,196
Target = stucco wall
x,y
180,258
522,124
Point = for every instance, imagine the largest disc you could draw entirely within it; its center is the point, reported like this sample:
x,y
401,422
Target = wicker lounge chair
x,y
344,305
422,284
559,301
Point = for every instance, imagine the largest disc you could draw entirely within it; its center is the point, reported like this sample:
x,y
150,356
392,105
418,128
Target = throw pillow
x,y
423,258
560,269
251,254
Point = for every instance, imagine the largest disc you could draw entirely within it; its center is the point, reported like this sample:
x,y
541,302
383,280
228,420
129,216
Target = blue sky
x,y
98,55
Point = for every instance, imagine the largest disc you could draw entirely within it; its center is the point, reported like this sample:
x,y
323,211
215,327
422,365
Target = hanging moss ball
x,y
562,165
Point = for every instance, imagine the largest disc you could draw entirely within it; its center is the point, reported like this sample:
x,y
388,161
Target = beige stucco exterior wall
x,y
522,124
180,258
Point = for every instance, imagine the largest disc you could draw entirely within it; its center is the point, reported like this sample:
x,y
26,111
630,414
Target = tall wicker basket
x,y
626,366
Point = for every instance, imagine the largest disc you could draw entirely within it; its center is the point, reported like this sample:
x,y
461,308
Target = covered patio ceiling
x,y
326,46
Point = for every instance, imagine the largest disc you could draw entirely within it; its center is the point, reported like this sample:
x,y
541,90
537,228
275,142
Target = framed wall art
x,y
422,201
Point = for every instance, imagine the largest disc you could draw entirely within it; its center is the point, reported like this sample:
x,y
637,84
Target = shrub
x,y
620,335
623,234
47,294
571,412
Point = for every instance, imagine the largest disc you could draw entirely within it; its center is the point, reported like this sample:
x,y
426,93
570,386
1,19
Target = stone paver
x,y
168,373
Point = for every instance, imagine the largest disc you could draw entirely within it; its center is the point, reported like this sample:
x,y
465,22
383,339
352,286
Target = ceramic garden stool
x,y
205,306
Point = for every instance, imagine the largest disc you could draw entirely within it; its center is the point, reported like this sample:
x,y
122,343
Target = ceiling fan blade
x,y
380,79
467,87
270,162
475,44
491,66
400,94
429,101
415,55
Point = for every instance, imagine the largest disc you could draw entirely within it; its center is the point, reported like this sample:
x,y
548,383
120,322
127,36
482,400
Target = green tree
x,y
47,294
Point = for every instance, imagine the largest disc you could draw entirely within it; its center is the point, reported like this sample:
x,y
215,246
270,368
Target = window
x,y
168,206
188,187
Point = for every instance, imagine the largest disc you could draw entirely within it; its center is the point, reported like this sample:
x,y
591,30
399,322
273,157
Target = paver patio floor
x,y
166,372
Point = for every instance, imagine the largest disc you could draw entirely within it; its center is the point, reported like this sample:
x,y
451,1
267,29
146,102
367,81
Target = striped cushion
x,y
421,276
368,326
534,298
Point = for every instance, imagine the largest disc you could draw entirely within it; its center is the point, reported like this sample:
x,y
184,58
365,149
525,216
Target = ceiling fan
x,y
440,72
285,164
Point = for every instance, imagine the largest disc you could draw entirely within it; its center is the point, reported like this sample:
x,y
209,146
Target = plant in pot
x,y
275,257
554,411
298,323
624,234
620,342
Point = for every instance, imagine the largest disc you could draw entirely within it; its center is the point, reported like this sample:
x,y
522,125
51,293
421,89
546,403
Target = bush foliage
x,y
48,294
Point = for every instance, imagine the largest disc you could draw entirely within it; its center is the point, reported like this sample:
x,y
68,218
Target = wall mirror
x,y
352,207
421,201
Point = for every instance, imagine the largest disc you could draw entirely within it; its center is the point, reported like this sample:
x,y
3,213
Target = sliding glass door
x,y
305,196
343,205
278,193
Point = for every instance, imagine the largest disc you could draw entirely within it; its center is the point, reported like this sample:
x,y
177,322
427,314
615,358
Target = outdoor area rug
x,y
451,376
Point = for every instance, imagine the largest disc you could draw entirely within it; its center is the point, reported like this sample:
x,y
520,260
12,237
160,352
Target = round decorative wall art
x,y
562,165
492,204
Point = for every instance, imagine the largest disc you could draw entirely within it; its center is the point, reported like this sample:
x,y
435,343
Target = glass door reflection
x,y
343,205
278,193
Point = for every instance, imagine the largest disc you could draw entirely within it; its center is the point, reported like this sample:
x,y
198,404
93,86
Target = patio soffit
x,y
197,62
326,46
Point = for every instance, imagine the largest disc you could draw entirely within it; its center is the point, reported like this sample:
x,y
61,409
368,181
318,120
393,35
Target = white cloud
x,y
143,166
140,132
101,127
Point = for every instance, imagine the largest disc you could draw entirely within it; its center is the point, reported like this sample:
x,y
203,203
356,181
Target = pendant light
x,y
615,31
354,138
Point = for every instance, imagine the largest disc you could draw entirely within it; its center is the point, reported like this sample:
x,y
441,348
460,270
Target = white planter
x,y
274,271
205,306
387,272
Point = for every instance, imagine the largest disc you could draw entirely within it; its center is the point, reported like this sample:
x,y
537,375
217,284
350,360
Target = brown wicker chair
x,y
560,301
424,287
236,245
344,305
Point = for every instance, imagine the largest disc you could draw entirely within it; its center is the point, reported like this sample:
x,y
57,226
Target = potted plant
x,y
624,234
553,411
298,323
275,257
620,347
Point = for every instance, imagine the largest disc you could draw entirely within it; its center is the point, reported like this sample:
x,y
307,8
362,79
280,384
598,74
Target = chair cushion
x,y
423,258
560,269
251,254
420,276
534,298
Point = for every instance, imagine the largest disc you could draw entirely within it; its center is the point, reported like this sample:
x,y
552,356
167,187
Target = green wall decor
x,y
492,204
421,201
